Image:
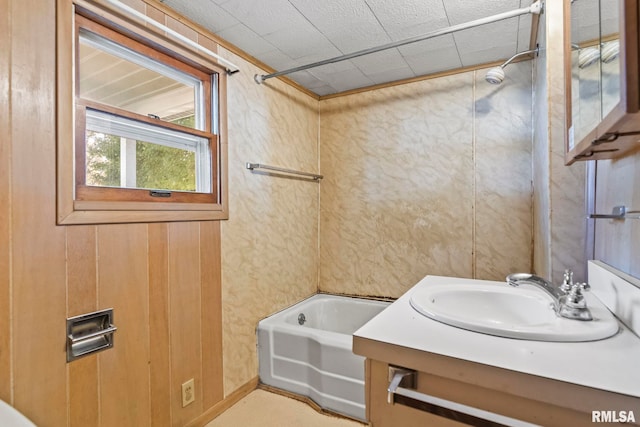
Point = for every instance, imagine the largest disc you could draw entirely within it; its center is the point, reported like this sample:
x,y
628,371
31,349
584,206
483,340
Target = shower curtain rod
x,y
231,69
535,8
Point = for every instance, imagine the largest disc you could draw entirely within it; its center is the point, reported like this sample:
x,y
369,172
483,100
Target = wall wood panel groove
x,y
5,204
162,280
82,298
37,247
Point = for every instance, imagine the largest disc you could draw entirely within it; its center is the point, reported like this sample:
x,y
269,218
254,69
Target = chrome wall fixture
x,y
402,391
89,333
618,212
535,9
313,176
496,75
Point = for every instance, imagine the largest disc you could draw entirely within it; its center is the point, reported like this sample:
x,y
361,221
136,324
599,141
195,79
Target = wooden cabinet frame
x,y
615,136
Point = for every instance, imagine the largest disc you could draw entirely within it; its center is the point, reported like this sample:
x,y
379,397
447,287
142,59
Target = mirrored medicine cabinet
x,y
601,77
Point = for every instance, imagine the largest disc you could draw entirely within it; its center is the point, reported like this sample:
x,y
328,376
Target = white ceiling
x,y
289,33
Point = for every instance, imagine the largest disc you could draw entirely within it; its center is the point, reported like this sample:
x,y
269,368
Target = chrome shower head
x,y
588,56
610,51
495,75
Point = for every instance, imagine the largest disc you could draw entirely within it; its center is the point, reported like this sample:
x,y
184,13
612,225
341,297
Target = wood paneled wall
x,y
5,227
162,279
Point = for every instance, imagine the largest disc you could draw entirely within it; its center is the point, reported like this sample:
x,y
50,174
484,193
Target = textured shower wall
x,y
270,242
558,190
541,162
618,242
432,177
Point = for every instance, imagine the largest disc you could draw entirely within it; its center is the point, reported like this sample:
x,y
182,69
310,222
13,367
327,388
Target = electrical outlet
x,y
188,392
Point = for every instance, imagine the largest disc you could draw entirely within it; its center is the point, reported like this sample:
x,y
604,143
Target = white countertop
x,y
611,364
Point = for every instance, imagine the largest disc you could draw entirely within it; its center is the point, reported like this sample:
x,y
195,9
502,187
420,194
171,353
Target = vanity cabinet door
x,y
494,397
601,75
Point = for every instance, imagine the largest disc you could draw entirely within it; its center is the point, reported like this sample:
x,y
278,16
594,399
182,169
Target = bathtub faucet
x,y
568,300
301,319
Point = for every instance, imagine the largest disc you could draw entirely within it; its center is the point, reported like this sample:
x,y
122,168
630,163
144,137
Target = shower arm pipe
x,y
535,8
131,11
517,55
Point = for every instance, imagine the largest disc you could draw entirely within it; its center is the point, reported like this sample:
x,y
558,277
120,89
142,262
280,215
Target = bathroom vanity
x,y
470,378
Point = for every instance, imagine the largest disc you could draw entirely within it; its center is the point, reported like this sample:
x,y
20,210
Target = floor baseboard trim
x,y
217,409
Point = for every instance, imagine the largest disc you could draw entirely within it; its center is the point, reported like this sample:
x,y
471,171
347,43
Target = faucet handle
x,y
573,305
575,297
567,281
577,288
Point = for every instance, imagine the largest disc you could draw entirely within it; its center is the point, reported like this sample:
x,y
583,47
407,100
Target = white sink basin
x,y
496,308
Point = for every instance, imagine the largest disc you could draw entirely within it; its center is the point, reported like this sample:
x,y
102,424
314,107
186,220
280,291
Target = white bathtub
x,y
315,359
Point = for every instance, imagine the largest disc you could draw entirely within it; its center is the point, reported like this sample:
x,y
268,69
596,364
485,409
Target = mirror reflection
x,y
610,54
595,76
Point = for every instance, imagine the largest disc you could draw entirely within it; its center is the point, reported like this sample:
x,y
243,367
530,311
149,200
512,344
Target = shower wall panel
x,y
432,177
270,242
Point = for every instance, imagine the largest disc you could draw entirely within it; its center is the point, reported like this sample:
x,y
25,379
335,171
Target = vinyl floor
x,y
261,408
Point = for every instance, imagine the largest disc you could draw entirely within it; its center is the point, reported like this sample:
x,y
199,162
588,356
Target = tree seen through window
x,y
156,166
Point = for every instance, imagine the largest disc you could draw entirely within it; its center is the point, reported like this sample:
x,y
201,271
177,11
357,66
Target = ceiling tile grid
x,y
289,33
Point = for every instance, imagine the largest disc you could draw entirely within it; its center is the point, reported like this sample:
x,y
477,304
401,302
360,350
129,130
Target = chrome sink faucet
x,y
568,300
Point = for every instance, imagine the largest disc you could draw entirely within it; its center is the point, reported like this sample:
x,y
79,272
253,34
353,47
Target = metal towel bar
x,y
618,212
474,416
314,176
401,390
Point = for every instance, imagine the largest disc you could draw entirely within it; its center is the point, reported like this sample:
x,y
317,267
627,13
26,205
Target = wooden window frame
x,y
78,203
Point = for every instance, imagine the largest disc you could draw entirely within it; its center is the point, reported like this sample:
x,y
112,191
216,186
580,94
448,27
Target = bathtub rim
x,y
322,336
305,300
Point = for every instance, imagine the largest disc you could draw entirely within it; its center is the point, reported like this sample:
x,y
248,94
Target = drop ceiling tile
x,y
487,37
349,24
329,70
346,80
243,37
301,41
402,19
460,11
308,80
393,75
277,60
330,16
358,37
433,61
437,43
264,17
206,13
378,62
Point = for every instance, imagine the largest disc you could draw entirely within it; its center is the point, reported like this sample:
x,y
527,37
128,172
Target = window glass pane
x,y
121,152
163,167
119,77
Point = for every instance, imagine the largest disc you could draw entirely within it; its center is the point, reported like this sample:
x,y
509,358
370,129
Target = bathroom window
x,y
146,144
